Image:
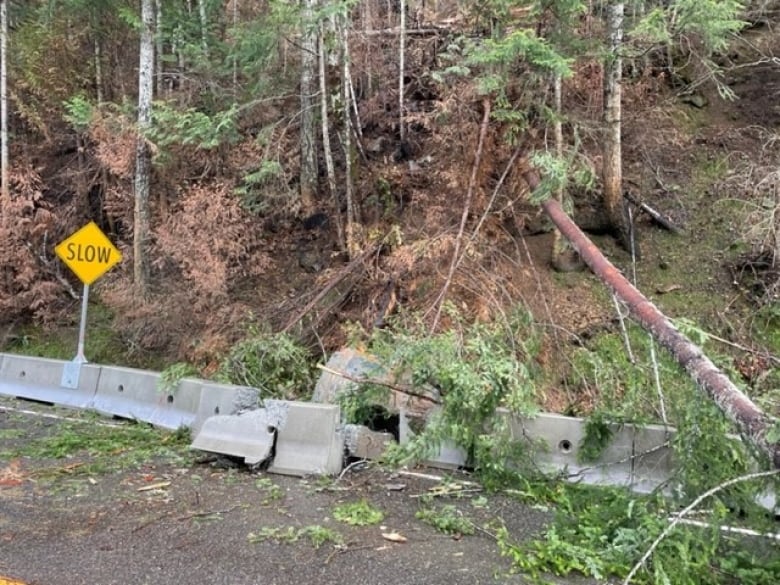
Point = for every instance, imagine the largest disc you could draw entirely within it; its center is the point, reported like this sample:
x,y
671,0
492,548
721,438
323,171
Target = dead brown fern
x,y
212,241
31,279
114,138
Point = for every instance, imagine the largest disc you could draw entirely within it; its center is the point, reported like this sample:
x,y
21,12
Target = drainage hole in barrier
x,y
565,446
22,374
216,410
121,388
169,399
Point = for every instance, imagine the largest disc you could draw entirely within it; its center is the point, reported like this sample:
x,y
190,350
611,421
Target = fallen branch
x,y
431,477
397,31
744,348
365,380
628,459
341,275
207,513
362,463
459,492
345,549
659,217
730,529
679,517
465,215
753,424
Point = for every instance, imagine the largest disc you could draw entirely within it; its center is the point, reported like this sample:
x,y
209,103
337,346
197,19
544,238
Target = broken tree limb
x,y
753,424
340,275
377,382
657,216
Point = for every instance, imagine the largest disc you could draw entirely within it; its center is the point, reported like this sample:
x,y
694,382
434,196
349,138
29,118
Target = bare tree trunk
x,y
204,28
5,193
308,176
612,170
401,67
326,143
98,55
346,97
143,158
234,6
158,64
559,244
753,424
368,24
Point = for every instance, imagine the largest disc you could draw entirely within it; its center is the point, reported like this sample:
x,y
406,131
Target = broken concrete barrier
x,y
556,442
296,438
248,435
363,443
216,398
309,439
348,366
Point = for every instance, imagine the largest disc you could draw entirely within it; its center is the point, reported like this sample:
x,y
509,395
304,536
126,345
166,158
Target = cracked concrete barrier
x,y
217,398
249,435
39,379
134,394
308,438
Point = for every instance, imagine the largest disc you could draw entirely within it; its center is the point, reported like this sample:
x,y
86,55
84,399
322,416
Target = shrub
x,y
274,363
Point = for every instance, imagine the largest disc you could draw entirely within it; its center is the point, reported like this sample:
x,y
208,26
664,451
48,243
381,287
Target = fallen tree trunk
x,y
753,424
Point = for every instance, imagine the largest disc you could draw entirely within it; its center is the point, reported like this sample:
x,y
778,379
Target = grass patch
x,y
358,514
102,344
708,170
103,447
271,492
446,519
8,434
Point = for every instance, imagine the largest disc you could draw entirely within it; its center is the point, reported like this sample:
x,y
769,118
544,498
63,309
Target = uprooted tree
x,y
754,425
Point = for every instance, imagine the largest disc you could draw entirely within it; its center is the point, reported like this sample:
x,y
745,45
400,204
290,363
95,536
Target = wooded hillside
x,y
325,168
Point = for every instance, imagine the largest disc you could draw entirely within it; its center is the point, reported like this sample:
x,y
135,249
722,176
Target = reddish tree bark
x,y
752,422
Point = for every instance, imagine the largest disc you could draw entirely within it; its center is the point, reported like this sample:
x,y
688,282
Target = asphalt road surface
x,y
132,513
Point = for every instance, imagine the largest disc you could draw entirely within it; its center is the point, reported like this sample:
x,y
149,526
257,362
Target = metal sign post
x,y
71,371
82,327
89,254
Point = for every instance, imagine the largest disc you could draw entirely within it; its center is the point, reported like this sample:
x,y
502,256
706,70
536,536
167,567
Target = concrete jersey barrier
x,y
307,438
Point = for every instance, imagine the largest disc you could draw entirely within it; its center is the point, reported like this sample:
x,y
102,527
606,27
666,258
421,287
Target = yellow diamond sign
x,y
88,253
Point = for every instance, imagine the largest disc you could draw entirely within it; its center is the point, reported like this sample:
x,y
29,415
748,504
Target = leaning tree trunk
x,y
612,169
143,156
752,422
